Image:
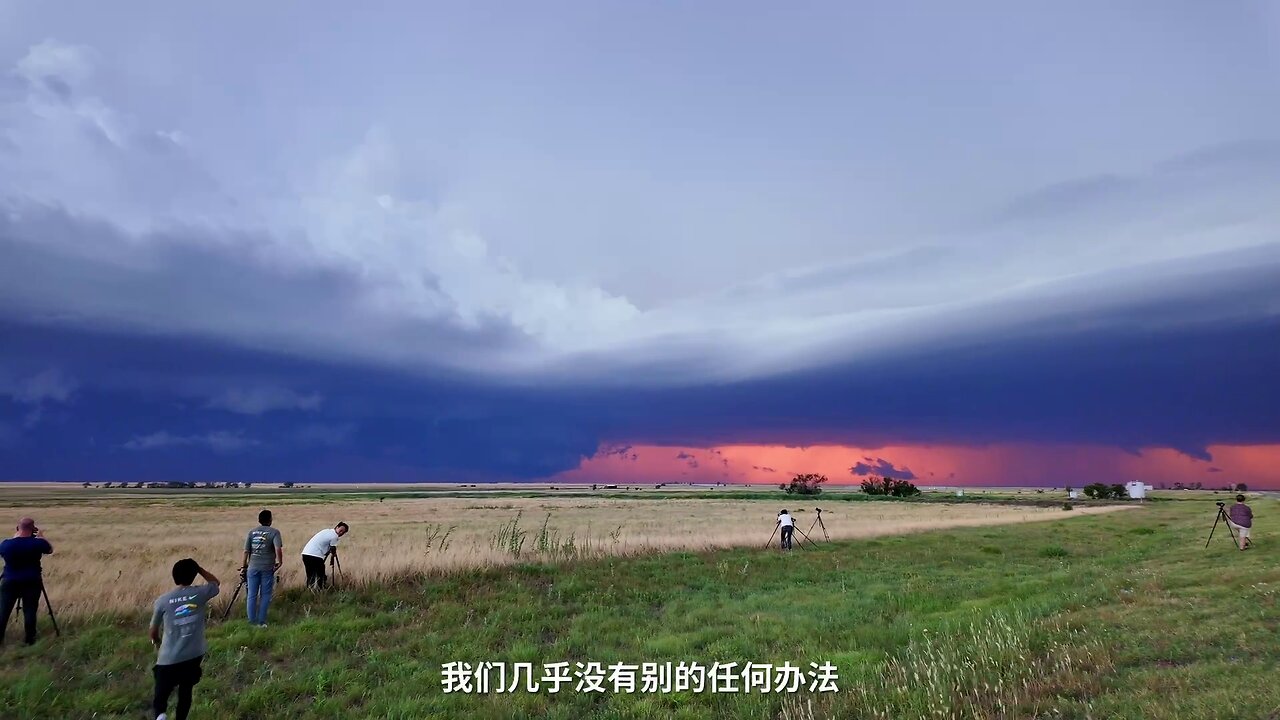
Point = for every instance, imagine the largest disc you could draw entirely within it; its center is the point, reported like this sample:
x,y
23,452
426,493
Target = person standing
x,y
263,556
21,579
788,528
177,631
320,546
1241,518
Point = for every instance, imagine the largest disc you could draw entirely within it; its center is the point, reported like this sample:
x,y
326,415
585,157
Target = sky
x,y
996,243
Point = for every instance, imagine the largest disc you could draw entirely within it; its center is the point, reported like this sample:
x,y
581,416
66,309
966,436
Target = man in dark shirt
x,y
1241,518
21,578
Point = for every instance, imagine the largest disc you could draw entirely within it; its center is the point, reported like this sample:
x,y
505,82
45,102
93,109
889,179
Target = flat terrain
x,y
1117,615
101,539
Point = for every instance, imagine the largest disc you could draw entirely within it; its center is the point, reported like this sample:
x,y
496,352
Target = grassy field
x,y
1121,615
138,537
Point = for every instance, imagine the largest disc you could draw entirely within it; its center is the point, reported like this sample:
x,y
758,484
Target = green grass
x,y
1123,615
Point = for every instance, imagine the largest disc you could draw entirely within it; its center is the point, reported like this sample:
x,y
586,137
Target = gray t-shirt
x,y
261,544
182,612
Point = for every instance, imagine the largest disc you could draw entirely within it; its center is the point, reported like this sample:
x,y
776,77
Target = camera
x,y
1220,503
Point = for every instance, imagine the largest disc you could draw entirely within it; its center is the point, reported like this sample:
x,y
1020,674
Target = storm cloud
x,y
551,251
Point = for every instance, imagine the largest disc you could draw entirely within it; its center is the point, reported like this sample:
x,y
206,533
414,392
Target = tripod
x,y
794,527
243,579
48,606
821,524
1222,516
334,561
805,535
769,542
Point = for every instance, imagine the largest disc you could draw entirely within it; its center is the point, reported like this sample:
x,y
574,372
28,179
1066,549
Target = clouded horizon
x,y
1011,244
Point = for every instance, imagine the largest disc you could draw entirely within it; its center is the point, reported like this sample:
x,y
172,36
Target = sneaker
x,y
162,716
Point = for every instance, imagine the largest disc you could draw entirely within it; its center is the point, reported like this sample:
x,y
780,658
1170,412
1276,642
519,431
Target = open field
x,y
138,537
1118,615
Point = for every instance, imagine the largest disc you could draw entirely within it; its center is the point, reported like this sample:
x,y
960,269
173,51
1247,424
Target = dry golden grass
x,y
116,554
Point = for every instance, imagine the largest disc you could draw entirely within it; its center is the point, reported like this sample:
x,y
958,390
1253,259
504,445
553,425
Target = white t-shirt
x,y
785,519
319,544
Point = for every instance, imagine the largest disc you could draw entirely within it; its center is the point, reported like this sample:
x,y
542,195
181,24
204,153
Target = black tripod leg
x,y
1216,518
806,537
227,610
769,542
823,525
1227,522
49,606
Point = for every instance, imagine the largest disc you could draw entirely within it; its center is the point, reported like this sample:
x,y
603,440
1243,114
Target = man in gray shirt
x,y
180,613
263,556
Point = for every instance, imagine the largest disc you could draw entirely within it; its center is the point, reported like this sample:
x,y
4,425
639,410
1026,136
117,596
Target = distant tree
x,y
1241,487
1102,491
889,486
805,484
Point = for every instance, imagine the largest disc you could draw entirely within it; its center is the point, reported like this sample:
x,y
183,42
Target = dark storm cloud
x,y
196,286
882,468
1179,386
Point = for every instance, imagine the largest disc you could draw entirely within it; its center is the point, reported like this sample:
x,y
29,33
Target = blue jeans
x,y
261,582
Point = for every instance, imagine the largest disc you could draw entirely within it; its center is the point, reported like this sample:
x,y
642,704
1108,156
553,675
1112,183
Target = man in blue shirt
x,y
21,578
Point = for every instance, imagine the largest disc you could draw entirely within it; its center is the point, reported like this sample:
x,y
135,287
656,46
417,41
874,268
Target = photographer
x,y
1240,517
177,631
263,556
788,528
21,578
320,546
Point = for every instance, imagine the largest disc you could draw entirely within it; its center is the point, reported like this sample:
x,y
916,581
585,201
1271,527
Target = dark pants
x,y
29,592
183,676
787,530
315,571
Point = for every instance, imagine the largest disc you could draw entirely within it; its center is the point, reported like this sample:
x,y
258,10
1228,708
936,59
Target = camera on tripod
x,y
1220,503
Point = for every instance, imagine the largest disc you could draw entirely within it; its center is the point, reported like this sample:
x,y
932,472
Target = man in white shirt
x,y
788,527
320,546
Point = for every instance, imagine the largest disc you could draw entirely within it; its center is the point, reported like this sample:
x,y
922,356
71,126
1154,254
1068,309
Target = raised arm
x,y
208,576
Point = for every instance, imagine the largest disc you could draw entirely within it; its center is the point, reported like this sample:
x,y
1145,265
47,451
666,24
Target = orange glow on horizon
x,y
1001,464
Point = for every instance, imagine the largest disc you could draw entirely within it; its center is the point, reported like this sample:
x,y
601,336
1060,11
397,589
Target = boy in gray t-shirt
x,y
263,555
180,615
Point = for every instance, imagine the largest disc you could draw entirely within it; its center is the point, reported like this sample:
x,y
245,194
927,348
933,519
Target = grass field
x,y
116,537
1118,615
